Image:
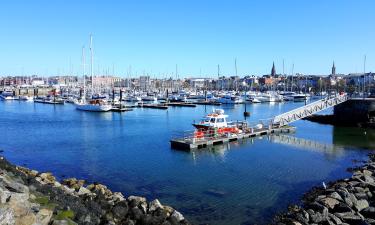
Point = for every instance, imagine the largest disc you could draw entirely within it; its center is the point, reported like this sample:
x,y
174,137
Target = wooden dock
x,y
192,143
153,106
181,104
207,103
122,109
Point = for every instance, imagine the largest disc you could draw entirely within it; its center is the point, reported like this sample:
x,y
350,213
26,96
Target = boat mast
x,y
92,66
84,75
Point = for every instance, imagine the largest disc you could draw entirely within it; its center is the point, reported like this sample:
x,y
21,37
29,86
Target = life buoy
x,y
198,134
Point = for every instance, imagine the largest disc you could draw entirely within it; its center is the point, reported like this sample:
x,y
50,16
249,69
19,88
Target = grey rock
x,y
334,218
361,195
43,217
83,191
154,205
369,212
7,216
336,196
120,210
329,202
361,204
177,215
136,200
118,196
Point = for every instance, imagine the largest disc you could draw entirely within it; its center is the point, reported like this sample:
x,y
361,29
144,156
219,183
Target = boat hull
x,y
93,108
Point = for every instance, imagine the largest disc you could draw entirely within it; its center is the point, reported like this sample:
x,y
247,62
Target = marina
x,y
187,113
99,143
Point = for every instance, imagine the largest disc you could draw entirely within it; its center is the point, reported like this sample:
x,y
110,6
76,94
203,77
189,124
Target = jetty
x,y
193,142
181,104
122,109
153,106
207,103
278,124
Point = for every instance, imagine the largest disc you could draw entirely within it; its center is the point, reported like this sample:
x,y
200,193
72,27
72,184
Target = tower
x,y
273,71
333,72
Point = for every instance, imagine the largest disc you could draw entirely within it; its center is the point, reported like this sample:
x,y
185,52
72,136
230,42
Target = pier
x,y
278,124
193,142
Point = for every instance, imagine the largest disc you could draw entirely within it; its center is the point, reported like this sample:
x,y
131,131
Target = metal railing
x,y
308,110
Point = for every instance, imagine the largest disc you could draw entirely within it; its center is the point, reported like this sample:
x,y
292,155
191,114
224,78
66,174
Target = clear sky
x,y
46,37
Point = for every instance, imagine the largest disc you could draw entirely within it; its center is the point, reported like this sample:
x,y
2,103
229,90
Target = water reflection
x,y
220,151
306,144
354,137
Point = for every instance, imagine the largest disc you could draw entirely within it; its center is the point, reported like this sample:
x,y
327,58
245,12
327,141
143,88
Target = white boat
x,y
7,95
26,98
230,99
301,97
270,97
255,100
95,105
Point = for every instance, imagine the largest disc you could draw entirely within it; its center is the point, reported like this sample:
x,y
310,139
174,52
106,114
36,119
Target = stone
x,y
83,191
361,195
369,212
118,196
43,217
336,196
136,200
57,184
120,210
169,210
177,215
154,205
329,202
7,216
64,222
4,195
136,213
48,178
334,218
28,219
67,189
361,204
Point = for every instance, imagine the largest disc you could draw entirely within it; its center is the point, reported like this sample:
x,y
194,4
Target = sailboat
x,y
95,105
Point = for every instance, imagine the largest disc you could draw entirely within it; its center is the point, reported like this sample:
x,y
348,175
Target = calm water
x,y
240,183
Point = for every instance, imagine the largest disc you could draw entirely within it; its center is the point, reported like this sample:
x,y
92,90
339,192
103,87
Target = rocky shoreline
x,y
28,197
347,201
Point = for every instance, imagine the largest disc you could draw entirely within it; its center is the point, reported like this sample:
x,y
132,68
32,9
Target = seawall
x,y
347,201
28,197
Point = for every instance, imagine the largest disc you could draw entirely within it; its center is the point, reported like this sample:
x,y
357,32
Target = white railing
x,y
308,110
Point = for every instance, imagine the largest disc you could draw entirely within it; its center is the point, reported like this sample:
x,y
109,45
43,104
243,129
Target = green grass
x,y
62,215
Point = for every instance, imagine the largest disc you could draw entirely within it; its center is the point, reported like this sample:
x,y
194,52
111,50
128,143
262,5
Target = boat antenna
x,y
92,65
84,71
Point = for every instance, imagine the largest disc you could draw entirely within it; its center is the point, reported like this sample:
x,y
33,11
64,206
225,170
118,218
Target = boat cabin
x,y
216,119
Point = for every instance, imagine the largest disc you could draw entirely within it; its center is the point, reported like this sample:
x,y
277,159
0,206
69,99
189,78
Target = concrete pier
x,y
355,111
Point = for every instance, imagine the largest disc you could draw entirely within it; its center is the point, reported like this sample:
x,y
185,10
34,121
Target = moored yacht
x,y
230,99
26,98
7,95
216,119
95,105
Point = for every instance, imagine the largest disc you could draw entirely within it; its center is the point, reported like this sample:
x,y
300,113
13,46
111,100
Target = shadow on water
x,y
354,136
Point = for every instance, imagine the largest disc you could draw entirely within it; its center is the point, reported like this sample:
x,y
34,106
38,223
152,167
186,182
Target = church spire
x,y
333,72
273,71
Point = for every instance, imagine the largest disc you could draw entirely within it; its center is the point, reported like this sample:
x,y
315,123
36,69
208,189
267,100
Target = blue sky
x,y
46,37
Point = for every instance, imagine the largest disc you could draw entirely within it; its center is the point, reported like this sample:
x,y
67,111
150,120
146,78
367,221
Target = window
x,y
220,120
212,120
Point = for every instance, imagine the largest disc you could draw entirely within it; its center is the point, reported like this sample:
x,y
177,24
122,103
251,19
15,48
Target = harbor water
x,y
243,182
